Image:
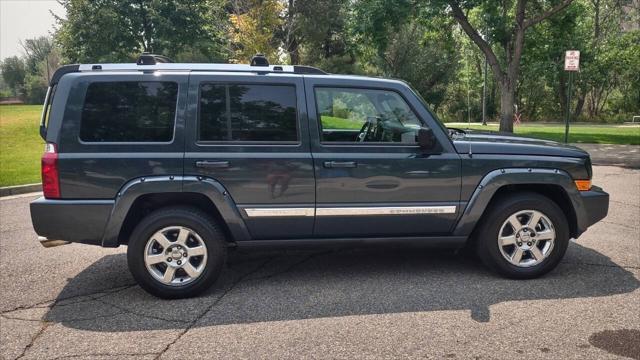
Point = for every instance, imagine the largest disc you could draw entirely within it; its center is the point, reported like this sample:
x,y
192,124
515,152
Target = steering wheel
x,y
365,131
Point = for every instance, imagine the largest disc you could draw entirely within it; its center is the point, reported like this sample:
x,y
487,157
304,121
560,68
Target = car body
x,y
283,155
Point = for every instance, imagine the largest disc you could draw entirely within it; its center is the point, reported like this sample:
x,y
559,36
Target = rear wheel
x,y
523,236
176,252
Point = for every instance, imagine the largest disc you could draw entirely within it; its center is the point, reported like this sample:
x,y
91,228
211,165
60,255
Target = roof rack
x,y
287,69
151,59
151,62
259,60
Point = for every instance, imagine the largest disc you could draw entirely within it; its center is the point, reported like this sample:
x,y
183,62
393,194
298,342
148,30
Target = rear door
x,y
117,127
250,133
373,179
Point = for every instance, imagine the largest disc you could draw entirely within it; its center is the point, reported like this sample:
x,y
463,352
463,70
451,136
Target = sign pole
x,y
484,94
571,64
568,112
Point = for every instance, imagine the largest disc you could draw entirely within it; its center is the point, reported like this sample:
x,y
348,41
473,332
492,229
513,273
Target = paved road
x,y
79,301
618,155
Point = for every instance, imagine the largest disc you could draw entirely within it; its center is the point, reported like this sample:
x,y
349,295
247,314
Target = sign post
x,y
571,64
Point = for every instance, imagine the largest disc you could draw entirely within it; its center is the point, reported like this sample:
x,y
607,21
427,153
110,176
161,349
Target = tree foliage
x,y
13,73
119,30
255,24
438,46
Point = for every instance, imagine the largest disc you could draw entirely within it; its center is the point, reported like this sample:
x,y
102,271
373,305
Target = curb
x,y
20,189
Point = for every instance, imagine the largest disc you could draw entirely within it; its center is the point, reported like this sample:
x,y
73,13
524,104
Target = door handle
x,y
340,164
212,164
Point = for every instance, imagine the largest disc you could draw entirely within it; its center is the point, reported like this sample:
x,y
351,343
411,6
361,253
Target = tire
x,y
502,257
167,235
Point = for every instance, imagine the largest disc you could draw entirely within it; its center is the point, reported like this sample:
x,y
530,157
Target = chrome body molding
x,y
349,211
385,210
278,212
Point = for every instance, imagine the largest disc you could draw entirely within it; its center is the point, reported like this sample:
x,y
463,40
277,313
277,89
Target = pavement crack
x,y
604,265
624,203
102,354
19,318
44,327
55,302
216,302
618,224
292,266
129,311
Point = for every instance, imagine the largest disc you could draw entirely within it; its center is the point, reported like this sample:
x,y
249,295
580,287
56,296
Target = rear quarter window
x,y
129,111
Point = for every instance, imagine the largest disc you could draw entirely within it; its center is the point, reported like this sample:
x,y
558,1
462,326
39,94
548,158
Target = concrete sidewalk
x,y
619,155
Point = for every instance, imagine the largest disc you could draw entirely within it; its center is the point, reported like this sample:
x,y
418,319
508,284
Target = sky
x,y
25,19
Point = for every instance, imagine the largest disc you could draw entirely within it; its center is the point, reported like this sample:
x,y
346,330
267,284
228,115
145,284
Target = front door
x,y
372,179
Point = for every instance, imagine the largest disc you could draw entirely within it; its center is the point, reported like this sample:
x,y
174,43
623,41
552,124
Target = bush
x,y
35,89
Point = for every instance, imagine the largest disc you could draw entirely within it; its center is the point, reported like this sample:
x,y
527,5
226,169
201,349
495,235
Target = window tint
x,y
129,111
235,112
365,115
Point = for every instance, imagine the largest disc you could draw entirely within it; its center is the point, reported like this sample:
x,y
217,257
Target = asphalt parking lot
x,y
79,301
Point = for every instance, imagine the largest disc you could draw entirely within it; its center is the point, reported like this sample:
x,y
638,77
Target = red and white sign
x,y
572,60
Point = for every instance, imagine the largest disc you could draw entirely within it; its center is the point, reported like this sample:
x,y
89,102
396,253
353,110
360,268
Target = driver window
x,y
365,115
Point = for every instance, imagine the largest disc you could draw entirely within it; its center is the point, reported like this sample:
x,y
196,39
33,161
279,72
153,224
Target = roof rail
x,y
152,59
302,69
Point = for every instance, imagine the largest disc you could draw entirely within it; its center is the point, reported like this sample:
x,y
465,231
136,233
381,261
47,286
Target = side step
x,y
426,241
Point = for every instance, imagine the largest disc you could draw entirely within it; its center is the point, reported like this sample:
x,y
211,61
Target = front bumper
x,y
595,206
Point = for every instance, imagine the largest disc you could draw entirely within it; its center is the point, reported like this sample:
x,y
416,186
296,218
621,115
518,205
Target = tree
x,y
36,50
119,30
13,73
254,27
402,40
320,35
509,34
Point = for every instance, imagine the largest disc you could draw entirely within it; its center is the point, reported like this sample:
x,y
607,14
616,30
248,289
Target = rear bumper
x,y
595,206
81,221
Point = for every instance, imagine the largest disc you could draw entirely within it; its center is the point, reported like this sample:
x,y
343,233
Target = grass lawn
x,y
331,122
20,144
578,133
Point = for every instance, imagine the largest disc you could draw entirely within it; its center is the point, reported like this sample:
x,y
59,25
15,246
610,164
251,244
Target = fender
x,y
496,179
135,188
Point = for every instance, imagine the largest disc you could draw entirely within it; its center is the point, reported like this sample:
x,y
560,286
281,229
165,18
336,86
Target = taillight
x,y
50,178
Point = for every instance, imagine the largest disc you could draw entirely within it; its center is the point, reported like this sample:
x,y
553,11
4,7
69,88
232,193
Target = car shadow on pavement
x,y
260,286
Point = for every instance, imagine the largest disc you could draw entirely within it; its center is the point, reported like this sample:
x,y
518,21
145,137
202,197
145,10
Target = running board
x,y
428,241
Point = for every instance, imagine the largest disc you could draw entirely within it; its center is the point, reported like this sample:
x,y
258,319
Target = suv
x,y
182,161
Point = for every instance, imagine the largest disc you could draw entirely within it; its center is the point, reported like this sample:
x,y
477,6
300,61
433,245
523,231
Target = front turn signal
x,y
583,185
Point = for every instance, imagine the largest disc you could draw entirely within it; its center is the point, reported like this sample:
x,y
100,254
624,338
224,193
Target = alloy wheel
x,y
526,238
175,255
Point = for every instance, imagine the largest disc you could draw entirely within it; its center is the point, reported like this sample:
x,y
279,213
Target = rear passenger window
x,y
248,112
129,111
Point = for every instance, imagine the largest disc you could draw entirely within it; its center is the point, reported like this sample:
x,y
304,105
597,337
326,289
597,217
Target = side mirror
x,y
426,139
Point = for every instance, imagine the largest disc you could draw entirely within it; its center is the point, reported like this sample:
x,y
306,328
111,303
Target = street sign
x,y
571,64
572,60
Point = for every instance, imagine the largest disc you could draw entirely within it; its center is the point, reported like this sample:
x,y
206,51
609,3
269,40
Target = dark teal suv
x,y
182,161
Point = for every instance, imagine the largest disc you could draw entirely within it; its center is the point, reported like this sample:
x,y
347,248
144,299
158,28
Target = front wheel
x,y
176,253
523,236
